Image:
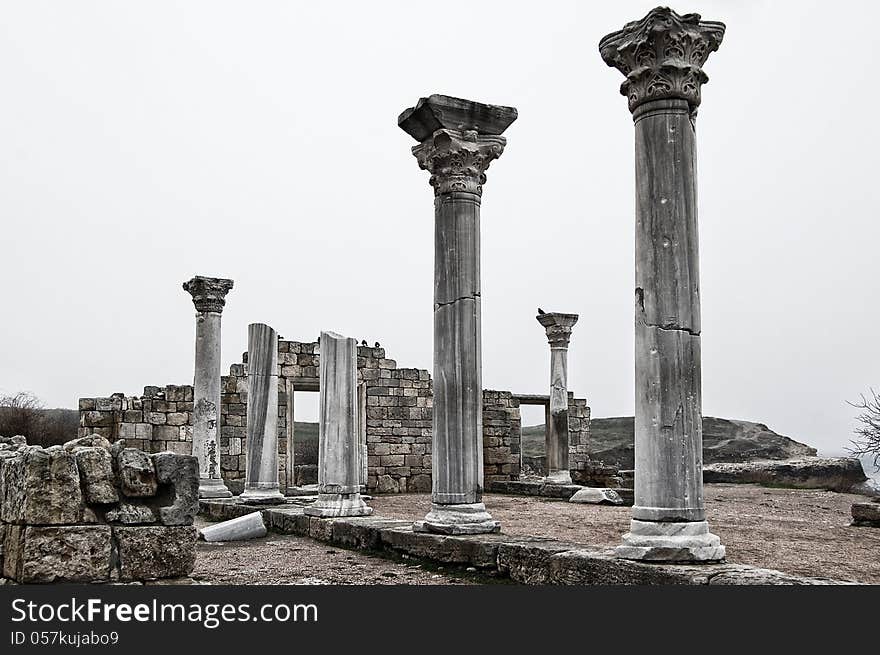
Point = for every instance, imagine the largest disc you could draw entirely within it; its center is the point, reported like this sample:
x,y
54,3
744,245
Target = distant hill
x,y
724,440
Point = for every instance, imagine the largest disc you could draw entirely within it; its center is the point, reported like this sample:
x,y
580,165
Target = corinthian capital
x,y
208,293
662,56
457,161
558,327
458,139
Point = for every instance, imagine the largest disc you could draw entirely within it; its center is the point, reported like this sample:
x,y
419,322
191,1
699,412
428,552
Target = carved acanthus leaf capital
x,y
457,160
662,56
558,327
208,293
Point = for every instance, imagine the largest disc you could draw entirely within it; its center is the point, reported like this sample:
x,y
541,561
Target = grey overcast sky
x,y
144,142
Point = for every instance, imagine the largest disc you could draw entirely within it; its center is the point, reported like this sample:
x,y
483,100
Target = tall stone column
x,y
209,297
661,57
338,443
261,470
458,139
558,327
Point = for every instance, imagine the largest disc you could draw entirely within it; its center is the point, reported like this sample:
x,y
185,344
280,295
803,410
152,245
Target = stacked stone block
x,y
583,469
233,426
399,413
157,421
89,511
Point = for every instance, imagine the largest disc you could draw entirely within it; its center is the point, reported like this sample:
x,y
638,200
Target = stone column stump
x,y
338,447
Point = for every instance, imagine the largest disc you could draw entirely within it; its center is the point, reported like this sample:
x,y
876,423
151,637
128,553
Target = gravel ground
x,y
796,531
287,559
804,532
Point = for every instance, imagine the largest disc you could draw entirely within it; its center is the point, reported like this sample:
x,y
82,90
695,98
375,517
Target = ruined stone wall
x,y
90,511
502,436
397,414
579,462
159,420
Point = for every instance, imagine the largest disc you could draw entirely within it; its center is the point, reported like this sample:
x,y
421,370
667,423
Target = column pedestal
x,y
467,518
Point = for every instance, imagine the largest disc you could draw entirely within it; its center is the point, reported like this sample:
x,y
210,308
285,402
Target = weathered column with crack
x,y
458,139
558,327
661,57
338,444
209,297
261,470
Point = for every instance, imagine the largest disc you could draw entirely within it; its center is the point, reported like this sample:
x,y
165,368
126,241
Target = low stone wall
x,y
90,511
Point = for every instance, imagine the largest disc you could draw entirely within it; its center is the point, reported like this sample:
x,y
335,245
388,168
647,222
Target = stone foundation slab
x,y
527,560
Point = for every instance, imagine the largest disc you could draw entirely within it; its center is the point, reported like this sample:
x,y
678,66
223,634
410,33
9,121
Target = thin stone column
x,y
338,443
558,327
209,297
458,139
261,470
661,57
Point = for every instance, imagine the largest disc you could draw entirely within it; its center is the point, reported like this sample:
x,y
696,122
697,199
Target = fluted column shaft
x,y
261,470
338,446
457,456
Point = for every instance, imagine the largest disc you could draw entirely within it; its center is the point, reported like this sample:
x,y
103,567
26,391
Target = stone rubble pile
x,y
89,511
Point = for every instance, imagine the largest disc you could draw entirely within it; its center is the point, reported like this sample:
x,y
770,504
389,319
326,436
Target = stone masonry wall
x,y
398,416
502,436
89,511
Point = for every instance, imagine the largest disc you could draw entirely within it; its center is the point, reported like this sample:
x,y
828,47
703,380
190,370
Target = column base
x,y
335,505
670,541
471,518
271,496
213,488
558,477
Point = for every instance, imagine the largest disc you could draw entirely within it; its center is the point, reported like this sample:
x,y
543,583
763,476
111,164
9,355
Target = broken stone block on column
x,y
137,475
41,487
156,551
178,477
40,554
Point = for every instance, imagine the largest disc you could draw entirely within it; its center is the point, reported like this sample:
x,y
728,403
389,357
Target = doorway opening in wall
x,y
533,415
302,437
303,406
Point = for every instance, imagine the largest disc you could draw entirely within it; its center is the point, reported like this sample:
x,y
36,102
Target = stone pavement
x,y
527,560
